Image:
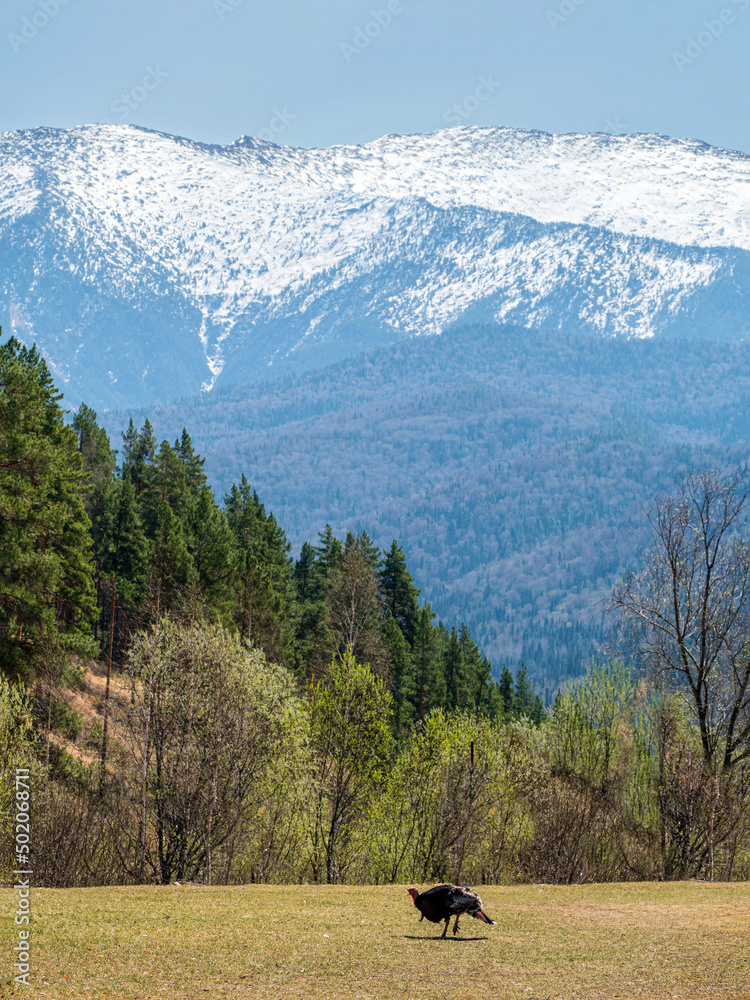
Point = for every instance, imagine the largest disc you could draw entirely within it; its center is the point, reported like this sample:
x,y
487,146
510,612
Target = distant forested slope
x,y
514,467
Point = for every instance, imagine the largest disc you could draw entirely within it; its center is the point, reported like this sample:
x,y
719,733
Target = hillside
x,y
147,266
514,469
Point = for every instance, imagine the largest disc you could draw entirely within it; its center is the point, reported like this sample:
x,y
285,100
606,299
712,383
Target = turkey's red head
x,y
413,892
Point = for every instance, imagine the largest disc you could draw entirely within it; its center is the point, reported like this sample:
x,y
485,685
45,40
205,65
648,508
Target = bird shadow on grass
x,y
458,940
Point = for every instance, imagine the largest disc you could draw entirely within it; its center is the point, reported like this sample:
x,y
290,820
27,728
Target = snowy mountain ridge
x,y
147,266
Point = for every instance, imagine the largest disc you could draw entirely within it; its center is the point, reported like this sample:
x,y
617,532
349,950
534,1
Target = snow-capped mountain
x,y
147,266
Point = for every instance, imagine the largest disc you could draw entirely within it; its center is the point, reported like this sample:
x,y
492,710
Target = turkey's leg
x,y
455,926
445,929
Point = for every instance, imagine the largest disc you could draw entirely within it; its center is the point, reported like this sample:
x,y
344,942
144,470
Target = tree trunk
x,y
106,690
146,748
49,726
214,795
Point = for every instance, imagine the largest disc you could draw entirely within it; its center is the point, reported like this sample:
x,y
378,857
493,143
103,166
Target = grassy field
x,y
688,941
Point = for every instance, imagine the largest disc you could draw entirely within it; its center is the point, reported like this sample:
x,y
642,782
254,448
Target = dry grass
x,y
88,701
686,941
88,698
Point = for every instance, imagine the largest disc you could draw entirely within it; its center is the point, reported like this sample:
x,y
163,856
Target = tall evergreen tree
x,y
403,682
93,444
489,699
398,593
195,477
165,503
307,574
367,547
139,453
213,551
525,702
122,552
172,572
485,694
328,552
264,607
506,690
458,679
429,683
46,589
311,581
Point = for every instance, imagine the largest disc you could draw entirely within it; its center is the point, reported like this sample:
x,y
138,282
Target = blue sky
x,y
338,71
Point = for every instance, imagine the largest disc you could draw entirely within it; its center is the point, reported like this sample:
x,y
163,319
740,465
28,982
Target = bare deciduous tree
x,y
355,619
687,614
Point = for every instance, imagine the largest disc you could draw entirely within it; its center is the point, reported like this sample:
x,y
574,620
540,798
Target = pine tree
x,y
506,691
523,694
122,554
441,694
195,477
161,486
328,553
172,573
428,675
307,575
397,591
312,584
403,682
265,607
139,453
129,445
369,550
213,551
490,701
46,589
165,483
93,444
538,713
485,694
457,675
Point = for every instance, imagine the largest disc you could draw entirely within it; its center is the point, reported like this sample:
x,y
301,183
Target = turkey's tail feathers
x,y
481,915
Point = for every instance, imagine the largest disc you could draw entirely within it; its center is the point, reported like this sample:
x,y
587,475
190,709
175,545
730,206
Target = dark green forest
x,y
514,467
262,717
96,549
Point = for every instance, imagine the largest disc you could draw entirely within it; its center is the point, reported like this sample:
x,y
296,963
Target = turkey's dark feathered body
x,y
445,901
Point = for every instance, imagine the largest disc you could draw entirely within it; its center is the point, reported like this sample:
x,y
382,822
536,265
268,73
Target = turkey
x,y
445,901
